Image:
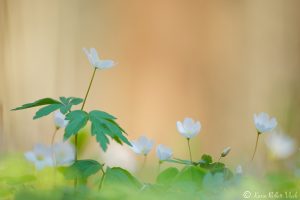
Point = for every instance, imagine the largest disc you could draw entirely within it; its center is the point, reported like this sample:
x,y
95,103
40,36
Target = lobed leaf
x,y
77,120
46,110
40,102
82,169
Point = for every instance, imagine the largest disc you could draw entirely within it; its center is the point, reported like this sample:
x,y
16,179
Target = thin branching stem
x,y
102,178
188,141
255,148
83,104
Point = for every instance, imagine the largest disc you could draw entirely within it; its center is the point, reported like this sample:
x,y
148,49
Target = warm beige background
x,y
216,61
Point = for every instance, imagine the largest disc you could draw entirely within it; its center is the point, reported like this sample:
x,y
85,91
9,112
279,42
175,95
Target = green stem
x,y
53,153
83,104
102,178
255,146
188,141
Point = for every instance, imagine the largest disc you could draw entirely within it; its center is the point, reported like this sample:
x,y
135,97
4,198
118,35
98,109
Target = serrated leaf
x,y
46,110
167,176
101,114
68,103
82,169
40,102
77,120
103,125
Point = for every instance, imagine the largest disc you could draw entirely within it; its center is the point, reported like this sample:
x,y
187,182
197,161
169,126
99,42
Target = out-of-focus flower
x,y
142,145
119,156
40,156
188,128
264,123
64,154
281,145
163,152
226,151
59,120
95,61
239,170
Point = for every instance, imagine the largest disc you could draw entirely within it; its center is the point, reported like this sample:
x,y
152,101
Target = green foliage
x,y
118,177
81,169
103,125
64,105
40,102
77,120
167,176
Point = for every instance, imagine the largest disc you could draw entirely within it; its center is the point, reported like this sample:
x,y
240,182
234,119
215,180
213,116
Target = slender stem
x,y
53,153
102,178
188,141
159,165
76,136
144,162
255,146
219,158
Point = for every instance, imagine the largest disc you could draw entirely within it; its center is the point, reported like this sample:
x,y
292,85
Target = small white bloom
x,y
40,156
264,123
64,154
95,61
142,145
163,152
239,170
188,128
281,145
59,119
226,151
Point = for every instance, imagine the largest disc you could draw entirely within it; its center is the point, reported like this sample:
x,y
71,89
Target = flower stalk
x,y
188,142
255,148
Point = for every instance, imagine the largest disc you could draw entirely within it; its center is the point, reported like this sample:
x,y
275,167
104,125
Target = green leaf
x,y
46,110
77,120
191,174
68,103
205,160
103,125
167,176
118,177
39,102
82,169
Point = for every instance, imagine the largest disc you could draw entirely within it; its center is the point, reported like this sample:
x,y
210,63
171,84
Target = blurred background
x,y
216,61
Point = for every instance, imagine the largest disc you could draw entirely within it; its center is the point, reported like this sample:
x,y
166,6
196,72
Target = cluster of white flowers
x,y
143,146
42,156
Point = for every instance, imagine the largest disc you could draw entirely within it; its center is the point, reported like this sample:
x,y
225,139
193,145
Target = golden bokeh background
x,y
217,61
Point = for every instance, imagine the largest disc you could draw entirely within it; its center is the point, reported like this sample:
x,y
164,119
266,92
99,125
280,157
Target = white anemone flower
x,y
281,145
95,61
264,123
40,156
59,120
142,145
163,152
64,154
188,128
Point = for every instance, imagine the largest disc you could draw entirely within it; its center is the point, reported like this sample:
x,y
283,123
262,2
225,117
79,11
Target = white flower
x,y
188,128
281,145
142,145
59,119
95,61
226,151
40,156
264,123
64,154
163,153
239,170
